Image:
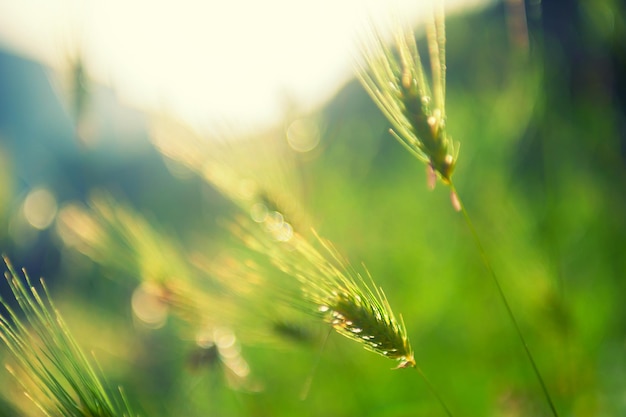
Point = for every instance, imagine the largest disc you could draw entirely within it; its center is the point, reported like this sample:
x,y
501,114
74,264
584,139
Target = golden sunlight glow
x,y
207,61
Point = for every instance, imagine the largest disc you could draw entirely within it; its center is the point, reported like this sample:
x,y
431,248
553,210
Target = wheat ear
x,y
396,81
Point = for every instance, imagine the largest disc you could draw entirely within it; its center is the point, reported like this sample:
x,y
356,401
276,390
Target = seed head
x,y
331,289
395,80
366,318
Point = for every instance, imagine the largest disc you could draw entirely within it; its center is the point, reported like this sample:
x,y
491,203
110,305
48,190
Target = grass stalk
x,y
434,391
507,306
304,393
54,371
394,78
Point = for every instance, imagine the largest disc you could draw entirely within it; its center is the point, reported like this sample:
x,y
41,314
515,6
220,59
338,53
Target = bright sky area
x,y
208,61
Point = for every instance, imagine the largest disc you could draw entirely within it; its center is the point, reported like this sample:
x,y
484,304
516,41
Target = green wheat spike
x,y
396,81
330,289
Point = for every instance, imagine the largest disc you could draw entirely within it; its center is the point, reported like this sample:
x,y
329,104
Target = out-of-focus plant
x,y
172,282
342,296
53,370
329,288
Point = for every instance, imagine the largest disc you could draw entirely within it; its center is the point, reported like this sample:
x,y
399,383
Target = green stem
x,y
304,393
434,391
496,281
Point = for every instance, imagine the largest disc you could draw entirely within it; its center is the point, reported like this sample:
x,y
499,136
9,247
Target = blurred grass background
x,y
542,126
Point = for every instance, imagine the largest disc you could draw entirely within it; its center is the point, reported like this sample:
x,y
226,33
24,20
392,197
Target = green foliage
x,y
541,173
56,375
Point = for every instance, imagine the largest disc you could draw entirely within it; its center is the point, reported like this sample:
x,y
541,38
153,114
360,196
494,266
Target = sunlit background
x,y
105,191
239,61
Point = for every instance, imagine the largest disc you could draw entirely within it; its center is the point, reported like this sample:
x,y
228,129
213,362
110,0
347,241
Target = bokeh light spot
x,y
148,306
40,208
224,338
259,212
303,135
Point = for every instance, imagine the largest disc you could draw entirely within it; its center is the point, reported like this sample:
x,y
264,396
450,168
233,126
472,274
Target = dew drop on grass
x,y
339,316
